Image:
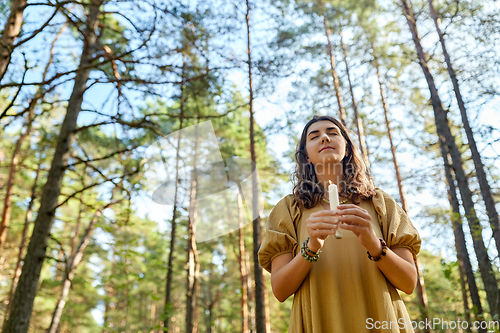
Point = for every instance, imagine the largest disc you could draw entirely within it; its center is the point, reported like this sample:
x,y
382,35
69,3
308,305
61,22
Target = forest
x,y
97,98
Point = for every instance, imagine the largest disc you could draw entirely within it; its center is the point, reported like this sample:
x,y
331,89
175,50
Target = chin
x,y
331,159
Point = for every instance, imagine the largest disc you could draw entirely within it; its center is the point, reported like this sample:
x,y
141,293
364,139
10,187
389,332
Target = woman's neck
x,y
329,174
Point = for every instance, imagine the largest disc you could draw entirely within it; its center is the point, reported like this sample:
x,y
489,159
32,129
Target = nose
x,y
325,137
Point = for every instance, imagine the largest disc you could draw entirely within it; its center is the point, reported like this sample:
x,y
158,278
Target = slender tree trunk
x,y
167,311
20,256
389,133
476,156
152,313
463,287
15,155
7,206
460,244
259,280
422,296
10,33
336,82
60,259
421,293
446,137
28,283
192,262
73,263
76,231
359,122
242,266
212,301
250,289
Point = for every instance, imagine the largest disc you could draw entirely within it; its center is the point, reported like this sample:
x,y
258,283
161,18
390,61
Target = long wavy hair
x,y
356,184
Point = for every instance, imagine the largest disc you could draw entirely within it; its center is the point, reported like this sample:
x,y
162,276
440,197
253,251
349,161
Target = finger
x,y
324,219
324,212
346,206
321,225
351,207
359,212
354,220
322,235
354,228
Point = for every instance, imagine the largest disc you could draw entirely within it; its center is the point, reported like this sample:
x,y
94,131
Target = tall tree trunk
x,y
242,266
76,230
152,313
58,276
10,33
422,296
167,311
193,269
250,289
465,296
358,121
20,256
259,280
15,155
192,262
458,231
389,132
446,137
336,82
211,302
7,206
22,303
73,263
421,293
476,157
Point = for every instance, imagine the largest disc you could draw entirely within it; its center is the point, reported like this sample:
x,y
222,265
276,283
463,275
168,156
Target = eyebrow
x,y
328,129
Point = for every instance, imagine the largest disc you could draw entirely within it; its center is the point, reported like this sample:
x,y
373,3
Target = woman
x,y
339,285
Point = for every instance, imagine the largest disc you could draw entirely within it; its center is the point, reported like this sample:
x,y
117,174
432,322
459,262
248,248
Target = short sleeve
x,y
281,235
397,228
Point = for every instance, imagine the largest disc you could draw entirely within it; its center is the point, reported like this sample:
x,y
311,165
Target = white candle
x,y
334,202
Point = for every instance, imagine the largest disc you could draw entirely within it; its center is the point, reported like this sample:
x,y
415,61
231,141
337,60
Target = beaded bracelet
x,y
304,249
384,251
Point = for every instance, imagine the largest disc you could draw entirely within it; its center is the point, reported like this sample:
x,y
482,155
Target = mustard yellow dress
x,y
344,292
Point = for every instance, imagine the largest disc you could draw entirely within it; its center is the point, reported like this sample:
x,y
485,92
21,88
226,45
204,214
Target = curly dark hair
x,y
357,183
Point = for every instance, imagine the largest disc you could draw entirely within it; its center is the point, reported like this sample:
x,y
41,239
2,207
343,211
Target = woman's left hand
x,y
359,221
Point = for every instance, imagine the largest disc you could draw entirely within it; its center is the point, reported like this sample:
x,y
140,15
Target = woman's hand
x,y
320,225
359,221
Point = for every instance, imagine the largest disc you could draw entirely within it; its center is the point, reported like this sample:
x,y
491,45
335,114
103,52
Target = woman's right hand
x,y
320,225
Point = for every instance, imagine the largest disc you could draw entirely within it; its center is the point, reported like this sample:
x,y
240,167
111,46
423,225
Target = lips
x,y
324,148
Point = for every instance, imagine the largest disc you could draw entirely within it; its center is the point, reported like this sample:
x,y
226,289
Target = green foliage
x,y
443,289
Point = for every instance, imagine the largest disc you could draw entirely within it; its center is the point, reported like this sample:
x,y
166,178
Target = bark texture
x,y
22,303
445,136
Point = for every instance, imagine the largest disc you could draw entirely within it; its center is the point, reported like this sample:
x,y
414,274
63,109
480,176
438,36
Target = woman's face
x,y
325,143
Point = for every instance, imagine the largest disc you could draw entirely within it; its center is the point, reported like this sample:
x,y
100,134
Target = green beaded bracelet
x,y
304,249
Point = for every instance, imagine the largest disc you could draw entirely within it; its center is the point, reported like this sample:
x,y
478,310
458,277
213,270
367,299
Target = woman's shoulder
x,y
383,202
288,202
285,213
381,195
